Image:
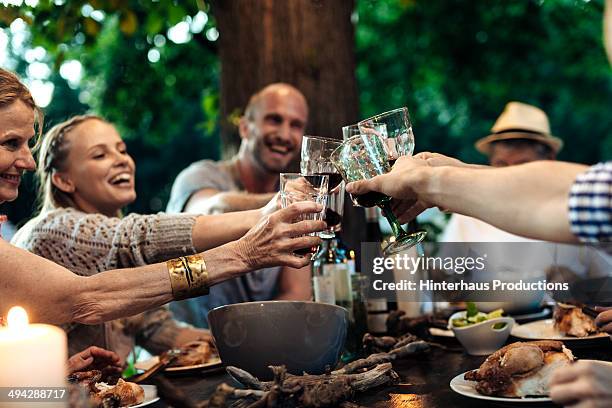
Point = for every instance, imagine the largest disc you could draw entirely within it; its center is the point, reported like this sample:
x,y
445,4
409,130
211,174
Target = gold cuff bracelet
x,y
188,276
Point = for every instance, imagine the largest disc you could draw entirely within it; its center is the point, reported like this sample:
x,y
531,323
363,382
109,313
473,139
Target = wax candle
x,y
31,355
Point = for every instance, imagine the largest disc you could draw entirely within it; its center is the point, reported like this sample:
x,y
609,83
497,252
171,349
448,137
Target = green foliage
x,y
456,63
165,110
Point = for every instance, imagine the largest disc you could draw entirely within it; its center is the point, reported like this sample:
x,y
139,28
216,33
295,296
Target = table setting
x,y
294,353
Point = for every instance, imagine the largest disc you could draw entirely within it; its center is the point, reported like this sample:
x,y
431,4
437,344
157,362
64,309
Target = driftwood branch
x,y
317,391
404,351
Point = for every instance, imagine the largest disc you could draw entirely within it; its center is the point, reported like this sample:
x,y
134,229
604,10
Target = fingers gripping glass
x,y
315,161
363,157
295,188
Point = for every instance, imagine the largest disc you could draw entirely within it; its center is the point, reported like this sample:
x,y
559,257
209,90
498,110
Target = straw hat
x,y
520,121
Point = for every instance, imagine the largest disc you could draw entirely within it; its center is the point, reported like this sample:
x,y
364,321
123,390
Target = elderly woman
x,y
86,177
51,293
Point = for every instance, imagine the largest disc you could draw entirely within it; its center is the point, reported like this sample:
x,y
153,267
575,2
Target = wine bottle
x,y
331,275
378,307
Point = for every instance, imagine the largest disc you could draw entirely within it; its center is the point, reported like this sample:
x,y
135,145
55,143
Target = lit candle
x,y
31,355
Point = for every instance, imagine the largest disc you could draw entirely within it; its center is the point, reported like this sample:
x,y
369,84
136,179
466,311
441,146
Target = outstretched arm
x,y
53,294
529,199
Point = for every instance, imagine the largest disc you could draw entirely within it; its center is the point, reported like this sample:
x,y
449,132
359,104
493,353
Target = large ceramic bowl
x,y
303,336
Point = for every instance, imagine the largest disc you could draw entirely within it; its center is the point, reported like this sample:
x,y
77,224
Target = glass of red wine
x,y
363,157
395,129
315,161
295,187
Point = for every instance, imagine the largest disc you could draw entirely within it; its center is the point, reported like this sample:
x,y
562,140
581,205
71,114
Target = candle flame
x,y
17,318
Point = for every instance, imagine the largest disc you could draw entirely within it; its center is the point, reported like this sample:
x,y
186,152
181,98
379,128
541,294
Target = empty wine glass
x,y
315,161
363,157
395,128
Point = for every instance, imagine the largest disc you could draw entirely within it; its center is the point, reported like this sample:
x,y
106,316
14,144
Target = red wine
x,y
315,180
371,199
332,218
334,179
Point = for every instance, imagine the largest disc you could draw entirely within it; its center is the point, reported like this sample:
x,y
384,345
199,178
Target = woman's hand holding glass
x,y
299,189
276,238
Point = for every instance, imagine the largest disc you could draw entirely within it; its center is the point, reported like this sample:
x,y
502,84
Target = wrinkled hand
x,y
94,358
402,183
584,384
604,318
274,239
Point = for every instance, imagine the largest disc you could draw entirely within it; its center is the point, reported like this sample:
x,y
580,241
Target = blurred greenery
x,y
454,63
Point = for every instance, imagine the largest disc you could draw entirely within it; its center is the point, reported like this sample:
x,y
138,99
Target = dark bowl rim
x,y
244,304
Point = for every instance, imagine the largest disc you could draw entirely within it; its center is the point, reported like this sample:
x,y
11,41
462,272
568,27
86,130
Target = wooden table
x,y
424,381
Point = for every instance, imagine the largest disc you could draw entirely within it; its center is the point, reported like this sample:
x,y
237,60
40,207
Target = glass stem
x,y
396,227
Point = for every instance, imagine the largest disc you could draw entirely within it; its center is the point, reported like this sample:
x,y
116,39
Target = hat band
x,y
532,132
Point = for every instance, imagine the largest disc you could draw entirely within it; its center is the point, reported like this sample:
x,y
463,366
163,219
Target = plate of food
x,y
570,323
517,373
122,393
195,355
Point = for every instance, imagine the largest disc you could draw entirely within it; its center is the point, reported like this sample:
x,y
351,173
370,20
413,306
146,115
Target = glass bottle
x,y
331,274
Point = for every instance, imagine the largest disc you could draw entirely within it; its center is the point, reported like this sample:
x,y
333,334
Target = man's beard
x,y
272,169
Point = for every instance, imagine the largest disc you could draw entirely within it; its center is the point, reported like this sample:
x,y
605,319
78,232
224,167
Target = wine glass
x,y
363,157
315,161
355,130
395,128
349,131
295,187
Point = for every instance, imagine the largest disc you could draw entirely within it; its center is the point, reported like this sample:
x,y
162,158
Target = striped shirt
x,y
590,204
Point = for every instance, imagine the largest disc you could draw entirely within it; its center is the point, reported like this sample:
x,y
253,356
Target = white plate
x,y
544,330
145,365
468,389
151,397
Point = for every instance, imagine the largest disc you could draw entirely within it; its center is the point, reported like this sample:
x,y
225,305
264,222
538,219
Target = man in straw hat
x,y
521,134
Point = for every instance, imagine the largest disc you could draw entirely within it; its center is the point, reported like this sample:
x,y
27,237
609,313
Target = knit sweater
x,y
91,243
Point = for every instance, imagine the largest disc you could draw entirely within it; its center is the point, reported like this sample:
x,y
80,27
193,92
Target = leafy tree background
x,y
454,63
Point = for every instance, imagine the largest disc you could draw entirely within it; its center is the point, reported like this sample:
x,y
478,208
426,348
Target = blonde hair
x,y
11,90
52,156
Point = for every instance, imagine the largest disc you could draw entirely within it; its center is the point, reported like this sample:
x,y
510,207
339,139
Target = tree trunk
x,y
307,43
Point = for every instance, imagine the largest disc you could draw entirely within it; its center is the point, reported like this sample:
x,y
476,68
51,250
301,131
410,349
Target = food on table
x,y
125,393
103,394
570,320
193,353
473,316
520,369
